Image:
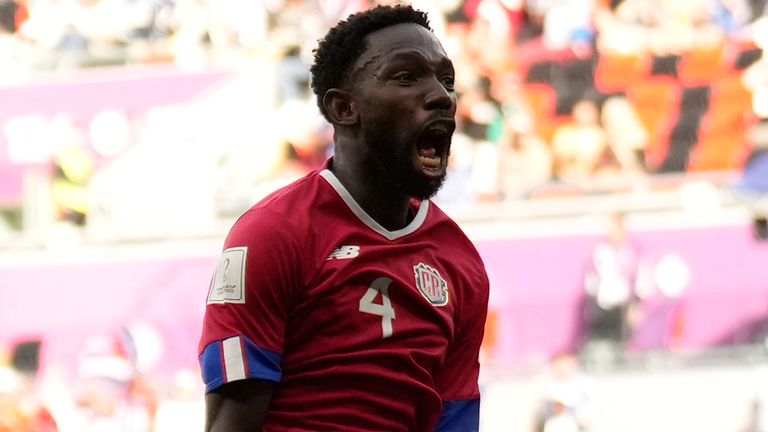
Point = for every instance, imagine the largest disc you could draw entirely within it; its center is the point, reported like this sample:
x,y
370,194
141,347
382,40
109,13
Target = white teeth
x,y
430,161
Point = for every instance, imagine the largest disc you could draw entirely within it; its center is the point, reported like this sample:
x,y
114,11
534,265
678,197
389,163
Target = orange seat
x,y
614,73
718,151
541,98
730,90
722,144
657,101
699,67
542,101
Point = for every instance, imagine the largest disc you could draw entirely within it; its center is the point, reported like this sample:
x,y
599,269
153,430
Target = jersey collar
x,y
418,220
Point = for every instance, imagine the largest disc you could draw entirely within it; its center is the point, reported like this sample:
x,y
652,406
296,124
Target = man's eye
x,y
405,77
448,82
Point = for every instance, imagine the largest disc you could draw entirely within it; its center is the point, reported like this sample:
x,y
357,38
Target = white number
x,y
383,309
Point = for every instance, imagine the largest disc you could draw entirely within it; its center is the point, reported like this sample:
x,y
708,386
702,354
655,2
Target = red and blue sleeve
x,y
248,301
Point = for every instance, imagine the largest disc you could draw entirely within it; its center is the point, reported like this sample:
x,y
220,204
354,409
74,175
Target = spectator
x,y
626,135
753,183
661,27
755,78
525,162
9,10
580,146
73,166
610,285
21,408
568,25
111,393
619,32
561,419
566,396
734,16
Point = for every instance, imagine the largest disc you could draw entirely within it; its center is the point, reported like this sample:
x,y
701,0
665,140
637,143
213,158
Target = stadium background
x,y
133,132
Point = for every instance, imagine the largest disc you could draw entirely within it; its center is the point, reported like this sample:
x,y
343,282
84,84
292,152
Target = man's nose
x,y
439,97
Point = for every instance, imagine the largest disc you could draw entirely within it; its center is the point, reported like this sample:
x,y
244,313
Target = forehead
x,y
386,43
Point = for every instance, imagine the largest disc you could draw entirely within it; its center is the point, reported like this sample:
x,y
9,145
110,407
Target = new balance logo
x,y
344,252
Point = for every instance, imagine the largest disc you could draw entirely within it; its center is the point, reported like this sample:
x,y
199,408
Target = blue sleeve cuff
x,y
237,358
460,416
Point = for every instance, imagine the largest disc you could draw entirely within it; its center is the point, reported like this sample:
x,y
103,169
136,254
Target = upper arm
x,y
457,379
249,302
238,406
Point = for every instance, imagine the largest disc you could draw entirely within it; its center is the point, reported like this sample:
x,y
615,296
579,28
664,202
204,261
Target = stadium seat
x,y
542,100
721,144
614,73
718,152
729,90
657,101
701,66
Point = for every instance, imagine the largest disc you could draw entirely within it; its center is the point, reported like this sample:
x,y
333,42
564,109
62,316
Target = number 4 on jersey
x,y
383,309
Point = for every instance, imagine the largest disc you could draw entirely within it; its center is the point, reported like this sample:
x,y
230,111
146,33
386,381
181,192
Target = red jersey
x,y
362,328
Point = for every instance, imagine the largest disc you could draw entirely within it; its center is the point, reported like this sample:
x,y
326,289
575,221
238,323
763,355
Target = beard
x,y
392,158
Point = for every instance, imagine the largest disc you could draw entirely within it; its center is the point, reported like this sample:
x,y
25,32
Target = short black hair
x,y
345,42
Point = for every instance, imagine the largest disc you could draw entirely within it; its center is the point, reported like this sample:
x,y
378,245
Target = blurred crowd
x,y
556,97
114,387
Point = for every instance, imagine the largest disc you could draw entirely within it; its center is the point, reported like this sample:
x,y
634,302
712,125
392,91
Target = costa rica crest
x,y
431,285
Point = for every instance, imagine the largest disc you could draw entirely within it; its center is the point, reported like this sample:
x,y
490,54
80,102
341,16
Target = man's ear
x,y
340,107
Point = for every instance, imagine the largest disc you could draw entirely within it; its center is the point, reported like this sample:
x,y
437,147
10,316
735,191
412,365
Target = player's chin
x,y
425,187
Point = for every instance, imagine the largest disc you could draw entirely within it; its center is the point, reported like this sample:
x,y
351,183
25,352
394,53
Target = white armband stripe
x,y
234,363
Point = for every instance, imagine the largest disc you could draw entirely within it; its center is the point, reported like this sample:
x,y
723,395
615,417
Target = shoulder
x,y
283,215
457,246
445,223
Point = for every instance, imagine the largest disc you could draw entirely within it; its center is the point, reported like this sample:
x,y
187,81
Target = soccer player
x,y
347,301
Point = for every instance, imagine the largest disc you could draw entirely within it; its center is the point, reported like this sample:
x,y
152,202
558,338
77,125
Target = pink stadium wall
x,y
536,289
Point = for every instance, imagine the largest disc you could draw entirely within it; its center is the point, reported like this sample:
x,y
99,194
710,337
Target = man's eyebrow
x,y
412,55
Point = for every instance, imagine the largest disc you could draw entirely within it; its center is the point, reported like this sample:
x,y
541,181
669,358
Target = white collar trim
x,y
364,217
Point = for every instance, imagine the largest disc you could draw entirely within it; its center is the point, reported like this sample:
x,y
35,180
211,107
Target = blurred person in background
x,y
610,290
73,166
566,392
12,14
112,390
735,17
568,25
332,307
21,407
490,37
457,190
19,410
525,161
580,146
627,137
478,116
561,419
618,31
752,185
478,110
754,179
661,27
758,415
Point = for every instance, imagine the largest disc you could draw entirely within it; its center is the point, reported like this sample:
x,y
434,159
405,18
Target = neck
x,y
389,209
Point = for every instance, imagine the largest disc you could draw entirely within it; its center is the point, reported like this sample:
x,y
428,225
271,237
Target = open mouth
x,y
433,145
429,158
